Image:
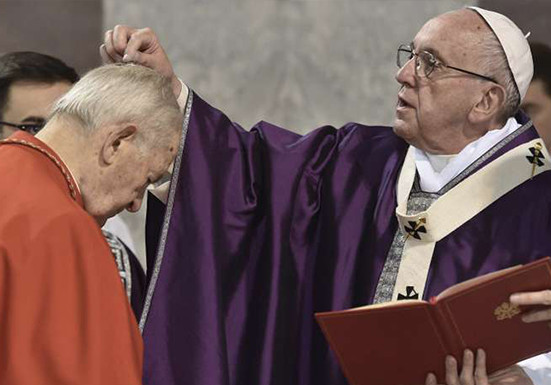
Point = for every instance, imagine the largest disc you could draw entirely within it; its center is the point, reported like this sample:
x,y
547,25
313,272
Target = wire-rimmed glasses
x,y
426,62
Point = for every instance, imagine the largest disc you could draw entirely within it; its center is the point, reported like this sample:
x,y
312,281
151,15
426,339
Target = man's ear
x,y
116,138
489,106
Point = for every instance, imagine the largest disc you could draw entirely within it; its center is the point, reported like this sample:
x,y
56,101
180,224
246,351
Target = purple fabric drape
x,y
268,227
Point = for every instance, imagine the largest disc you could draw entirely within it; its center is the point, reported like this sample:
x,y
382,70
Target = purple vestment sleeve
x,y
252,233
264,228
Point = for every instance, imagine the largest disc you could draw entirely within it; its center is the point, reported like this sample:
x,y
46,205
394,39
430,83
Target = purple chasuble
x,y
264,228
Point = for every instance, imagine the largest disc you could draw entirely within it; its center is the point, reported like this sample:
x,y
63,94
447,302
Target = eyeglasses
x,y
31,128
426,62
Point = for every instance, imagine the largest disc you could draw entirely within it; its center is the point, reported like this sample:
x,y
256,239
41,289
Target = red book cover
x,y
399,343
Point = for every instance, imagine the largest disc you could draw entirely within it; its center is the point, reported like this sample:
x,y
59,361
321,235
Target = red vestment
x,y
64,316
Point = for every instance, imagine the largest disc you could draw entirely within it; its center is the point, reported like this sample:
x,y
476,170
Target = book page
x,y
475,281
401,303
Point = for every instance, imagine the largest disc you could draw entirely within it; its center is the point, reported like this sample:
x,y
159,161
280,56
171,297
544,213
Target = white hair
x,y
493,63
114,94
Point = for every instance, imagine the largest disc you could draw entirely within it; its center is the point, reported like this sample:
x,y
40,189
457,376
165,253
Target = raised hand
x,y
124,44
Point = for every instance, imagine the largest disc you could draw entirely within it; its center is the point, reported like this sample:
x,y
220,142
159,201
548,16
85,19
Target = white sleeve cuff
x,y
182,98
538,369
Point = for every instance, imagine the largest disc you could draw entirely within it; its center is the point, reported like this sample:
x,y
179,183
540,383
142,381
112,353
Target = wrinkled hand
x,y
513,375
124,44
473,372
534,298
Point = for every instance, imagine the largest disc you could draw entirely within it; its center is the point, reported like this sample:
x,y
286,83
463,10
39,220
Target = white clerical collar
x,y
435,171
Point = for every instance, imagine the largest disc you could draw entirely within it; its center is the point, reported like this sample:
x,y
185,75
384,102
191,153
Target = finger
x,y
480,375
531,298
537,316
143,40
109,48
105,58
468,368
431,379
451,371
121,36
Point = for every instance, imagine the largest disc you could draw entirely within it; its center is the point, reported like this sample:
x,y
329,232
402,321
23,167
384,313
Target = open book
x,y
399,343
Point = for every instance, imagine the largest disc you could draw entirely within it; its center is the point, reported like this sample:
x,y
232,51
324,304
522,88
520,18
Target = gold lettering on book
x,y
506,311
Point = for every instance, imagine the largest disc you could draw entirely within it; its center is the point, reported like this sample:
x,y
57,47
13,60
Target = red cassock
x,y
64,317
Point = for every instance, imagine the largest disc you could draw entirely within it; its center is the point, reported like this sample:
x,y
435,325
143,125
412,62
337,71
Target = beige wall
x,y
299,64
69,30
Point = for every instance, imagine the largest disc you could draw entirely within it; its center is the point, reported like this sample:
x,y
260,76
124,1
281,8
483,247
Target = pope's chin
x,y
402,129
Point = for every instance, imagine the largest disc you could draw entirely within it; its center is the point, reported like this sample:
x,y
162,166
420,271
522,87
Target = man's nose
x,y
135,205
406,74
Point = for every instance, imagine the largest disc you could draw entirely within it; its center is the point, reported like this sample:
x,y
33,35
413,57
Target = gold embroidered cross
x,y
415,228
536,158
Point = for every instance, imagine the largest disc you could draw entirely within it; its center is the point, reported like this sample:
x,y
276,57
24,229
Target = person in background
x,y
30,84
537,102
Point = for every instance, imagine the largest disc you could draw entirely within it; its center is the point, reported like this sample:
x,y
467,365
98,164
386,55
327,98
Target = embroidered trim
x,y
536,158
456,207
385,287
389,274
65,173
122,260
420,201
484,157
168,214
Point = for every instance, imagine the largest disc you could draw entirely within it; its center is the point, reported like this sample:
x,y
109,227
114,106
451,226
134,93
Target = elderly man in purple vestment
x,y
262,228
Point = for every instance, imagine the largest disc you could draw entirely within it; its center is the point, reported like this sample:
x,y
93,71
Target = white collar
x,y
432,180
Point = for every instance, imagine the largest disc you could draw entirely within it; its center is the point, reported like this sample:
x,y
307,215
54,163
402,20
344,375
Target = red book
x,y
399,343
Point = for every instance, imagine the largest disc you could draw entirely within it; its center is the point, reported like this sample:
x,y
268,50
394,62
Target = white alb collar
x,y
432,180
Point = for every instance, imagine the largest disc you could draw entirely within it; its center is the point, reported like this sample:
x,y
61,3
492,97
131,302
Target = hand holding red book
x,y
473,372
474,314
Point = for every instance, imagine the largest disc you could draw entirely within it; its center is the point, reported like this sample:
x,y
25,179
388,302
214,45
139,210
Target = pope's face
x,y
431,112
30,102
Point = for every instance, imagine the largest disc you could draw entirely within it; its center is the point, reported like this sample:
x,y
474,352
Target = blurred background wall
x,y
66,29
298,64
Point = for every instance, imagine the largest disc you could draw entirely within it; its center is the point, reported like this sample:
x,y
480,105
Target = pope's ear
x,y
115,140
490,104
